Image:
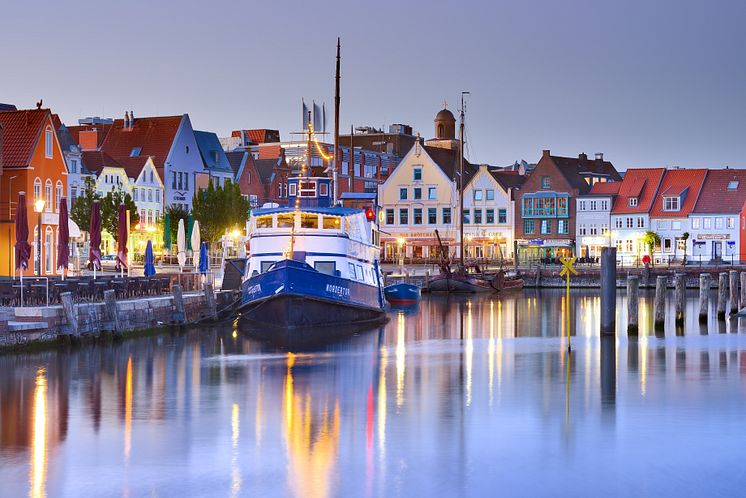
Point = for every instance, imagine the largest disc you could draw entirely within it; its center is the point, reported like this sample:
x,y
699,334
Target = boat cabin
x,y
310,191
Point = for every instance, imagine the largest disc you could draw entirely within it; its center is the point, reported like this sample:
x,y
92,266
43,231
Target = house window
x,y
417,176
680,244
489,216
546,182
181,182
561,206
186,181
667,245
633,202
477,216
604,205
529,227
490,194
630,223
150,195
707,223
134,195
37,189
562,226
465,216
628,246
581,205
446,216
48,143
173,180
48,251
432,216
640,222
417,215
477,195
418,193
58,195
581,229
151,176
135,152
404,216
279,189
618,223
719,223
593,205
695,223
671,204
731,222
402,193
432,193
389,216
733,185
675,225
502,215
157,195
546,226
48,200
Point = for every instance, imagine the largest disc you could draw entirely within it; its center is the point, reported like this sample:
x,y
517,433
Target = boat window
x,y
360,273
323,190
264,222
307,189
331,222
328,267
266,265
352,271
285,220
308,220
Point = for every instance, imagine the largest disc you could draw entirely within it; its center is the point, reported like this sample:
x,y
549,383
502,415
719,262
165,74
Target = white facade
x,y
181,166
592,222
627,232
714,237
147,192
673,246
488,217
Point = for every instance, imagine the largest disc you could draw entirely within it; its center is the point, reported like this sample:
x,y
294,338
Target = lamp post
x,y
38,208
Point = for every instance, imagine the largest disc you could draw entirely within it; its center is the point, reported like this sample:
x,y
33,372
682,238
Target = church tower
x,y
445,130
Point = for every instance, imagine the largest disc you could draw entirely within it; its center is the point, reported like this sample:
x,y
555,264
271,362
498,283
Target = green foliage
x,y
219,209
176,212
110,211
651,240
81,208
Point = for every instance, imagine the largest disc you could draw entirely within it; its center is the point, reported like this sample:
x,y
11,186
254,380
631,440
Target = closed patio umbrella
x,y
204,263
181,245
196,239
63,243
94,252
122,238
22,247
149,268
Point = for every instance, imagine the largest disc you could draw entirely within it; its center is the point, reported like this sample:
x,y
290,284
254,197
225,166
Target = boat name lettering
x,y
338,290
254,289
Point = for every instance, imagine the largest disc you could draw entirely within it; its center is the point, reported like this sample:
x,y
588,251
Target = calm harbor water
x,y
461,396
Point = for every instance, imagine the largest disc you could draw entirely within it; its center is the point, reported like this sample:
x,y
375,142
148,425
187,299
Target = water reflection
x,y
446,399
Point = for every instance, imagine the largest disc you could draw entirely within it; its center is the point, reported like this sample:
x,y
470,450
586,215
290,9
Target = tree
x,y
81,208
651,240
110,211
175,213
685,237
219,209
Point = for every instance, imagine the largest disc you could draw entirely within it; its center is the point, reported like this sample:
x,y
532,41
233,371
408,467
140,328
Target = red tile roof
x,y
103,130
96,160
717,198
508,179
684,182
21,131
641,184
575,169
605,188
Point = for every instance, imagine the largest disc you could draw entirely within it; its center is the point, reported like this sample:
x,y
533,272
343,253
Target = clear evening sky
x,y
649,83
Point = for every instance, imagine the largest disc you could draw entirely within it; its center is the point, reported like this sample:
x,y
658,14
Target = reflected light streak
x,y
381,403
401,353
491,349
469,352
39,441
258,415
643,340
235,434
128,410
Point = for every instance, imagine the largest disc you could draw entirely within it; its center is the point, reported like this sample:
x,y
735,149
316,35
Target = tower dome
x,y
445,125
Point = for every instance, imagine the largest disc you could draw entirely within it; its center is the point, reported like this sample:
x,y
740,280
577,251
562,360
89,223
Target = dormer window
x,y
671,203
546,182
135,152
633,202
733,185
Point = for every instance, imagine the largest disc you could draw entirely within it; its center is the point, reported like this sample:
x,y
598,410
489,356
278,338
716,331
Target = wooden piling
x,y
704,296
212,308
679,286
110,305
70,315
608,291
743,289
722,294
660,302
633,298
733,287
179,315
537,284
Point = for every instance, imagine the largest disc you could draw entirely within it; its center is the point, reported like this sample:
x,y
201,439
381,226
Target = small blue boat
x,y
402,293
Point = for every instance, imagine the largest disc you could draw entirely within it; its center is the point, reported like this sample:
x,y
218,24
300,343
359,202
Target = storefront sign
x,y
545,242
50,218
714,236
594,241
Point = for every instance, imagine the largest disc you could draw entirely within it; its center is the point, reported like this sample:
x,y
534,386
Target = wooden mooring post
x,y
679,287
110,305
212,307
659,306
179,315
633,299
608,291
733,287
704,297
68,307
743,289
722,294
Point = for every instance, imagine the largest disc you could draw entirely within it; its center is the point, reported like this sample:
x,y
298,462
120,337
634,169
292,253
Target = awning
x,y
73,229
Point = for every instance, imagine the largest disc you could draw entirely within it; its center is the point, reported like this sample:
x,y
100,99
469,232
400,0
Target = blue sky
x,y
647,83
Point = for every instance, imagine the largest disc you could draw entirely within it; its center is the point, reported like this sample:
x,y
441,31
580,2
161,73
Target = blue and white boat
x,y
402,293
312,264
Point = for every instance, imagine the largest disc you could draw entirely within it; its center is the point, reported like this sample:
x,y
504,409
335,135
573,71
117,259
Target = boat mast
x,y
335,168
461,181
309,154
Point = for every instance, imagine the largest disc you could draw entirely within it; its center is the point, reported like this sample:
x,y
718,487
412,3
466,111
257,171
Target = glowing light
x,y
39,442
319,149
401,241
39,205
235,234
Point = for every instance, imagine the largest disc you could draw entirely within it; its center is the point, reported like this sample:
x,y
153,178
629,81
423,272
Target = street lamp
x,y
38,208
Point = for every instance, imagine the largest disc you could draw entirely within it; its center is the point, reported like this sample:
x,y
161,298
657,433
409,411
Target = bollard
x,y
179,315
70,315
722,294
743,289
608,290
679,281
733,287
633,298
659,306
212,309
704,296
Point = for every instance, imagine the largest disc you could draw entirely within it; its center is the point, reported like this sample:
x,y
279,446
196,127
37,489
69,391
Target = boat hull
x,y
458,283
402,293
292,295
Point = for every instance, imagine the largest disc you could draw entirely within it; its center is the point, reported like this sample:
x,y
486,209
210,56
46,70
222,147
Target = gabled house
x,y
274,173
545,203
593,218
419,197
714,223
33,162
630,214
247,177
669,216
217,169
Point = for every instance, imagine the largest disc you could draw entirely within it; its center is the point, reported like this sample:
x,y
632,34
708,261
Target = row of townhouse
x,y
696,213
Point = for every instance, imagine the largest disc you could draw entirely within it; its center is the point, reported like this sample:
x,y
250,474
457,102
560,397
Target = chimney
x,y
583,156
545,153
599,156
88,139
132,119
126,120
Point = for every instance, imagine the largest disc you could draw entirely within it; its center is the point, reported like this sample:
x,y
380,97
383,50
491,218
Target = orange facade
x,y
43,176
